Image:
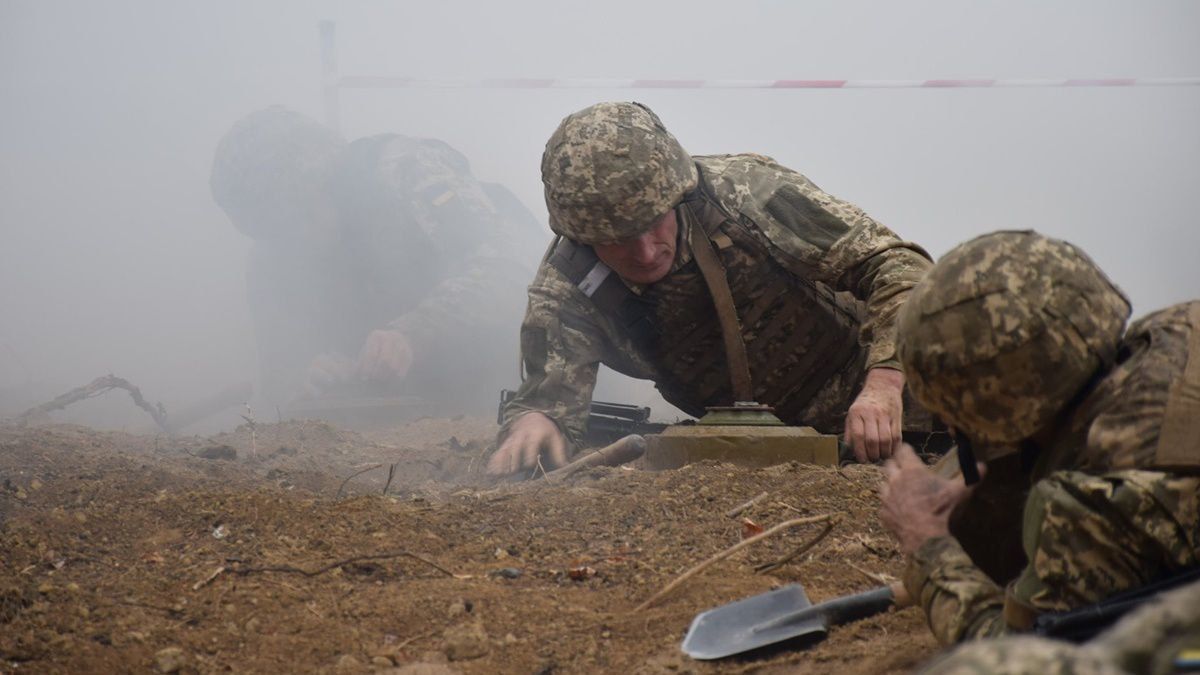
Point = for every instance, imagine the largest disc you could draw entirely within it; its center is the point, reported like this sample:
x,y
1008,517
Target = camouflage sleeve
x,y
821,237
561,348
960,601
480,299
1088,537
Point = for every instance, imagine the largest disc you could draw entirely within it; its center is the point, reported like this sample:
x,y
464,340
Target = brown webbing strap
x,y
1178,443
731,329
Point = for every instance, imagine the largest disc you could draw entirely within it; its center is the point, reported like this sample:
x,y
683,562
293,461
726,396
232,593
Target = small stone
x,y
170,660
457,608
84,612
382,662
35,484
466,642
253,625
73,587
500,554
510,639
45,588
506,573
346,663
80,517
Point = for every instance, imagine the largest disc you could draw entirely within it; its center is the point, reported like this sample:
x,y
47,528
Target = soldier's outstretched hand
x,y
873,421
531,436
915,502
386,355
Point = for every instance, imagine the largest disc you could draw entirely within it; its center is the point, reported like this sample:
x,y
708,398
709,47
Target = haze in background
x,y
114,258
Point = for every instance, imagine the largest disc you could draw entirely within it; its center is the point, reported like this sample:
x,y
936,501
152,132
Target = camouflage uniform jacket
x,y
1115,497
1161,637
810,274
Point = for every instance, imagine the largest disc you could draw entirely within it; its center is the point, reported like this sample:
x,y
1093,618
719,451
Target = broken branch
x,y
356,473
97,387
786,525
289,569
801,550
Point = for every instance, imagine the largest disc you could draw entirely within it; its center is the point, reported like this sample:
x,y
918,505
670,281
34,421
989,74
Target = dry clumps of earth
x,y
301,547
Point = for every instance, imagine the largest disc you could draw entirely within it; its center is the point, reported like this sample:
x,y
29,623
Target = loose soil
x,y
150,553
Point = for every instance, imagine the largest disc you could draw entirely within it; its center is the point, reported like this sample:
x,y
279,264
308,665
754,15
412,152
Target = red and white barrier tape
x,y
369,82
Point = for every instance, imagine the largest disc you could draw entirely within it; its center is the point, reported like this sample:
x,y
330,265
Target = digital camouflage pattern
x,y
1106,511
1087,537
1148,640
611,171
816,281
996,346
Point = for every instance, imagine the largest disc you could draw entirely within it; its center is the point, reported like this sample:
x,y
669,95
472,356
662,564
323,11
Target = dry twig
x,y
801,550
741,508
96,387
391,475
356,473
786,525
208,580
879,578
289,569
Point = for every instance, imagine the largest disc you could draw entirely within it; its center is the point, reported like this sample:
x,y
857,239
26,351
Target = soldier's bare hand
x,y
873,421
325,371
386,355
915,503
531,436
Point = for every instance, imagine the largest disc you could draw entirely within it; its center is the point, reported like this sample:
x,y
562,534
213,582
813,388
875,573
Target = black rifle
x,y
1079,625
606,422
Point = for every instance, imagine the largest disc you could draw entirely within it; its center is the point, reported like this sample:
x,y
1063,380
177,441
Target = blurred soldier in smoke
x,y
815,283
1018,342
379,267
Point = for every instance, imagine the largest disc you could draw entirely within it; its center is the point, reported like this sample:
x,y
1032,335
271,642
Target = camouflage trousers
x,y
1086,537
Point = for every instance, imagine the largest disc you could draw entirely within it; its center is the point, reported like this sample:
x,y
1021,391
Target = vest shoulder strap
x,y
583,268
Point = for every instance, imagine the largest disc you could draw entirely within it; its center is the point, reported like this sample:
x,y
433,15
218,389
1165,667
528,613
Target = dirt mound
x,y
261,550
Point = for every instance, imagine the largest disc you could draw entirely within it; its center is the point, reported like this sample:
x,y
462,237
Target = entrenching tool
x,y
779,616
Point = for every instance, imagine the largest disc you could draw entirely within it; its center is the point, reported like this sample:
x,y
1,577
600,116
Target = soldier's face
x,y
644,259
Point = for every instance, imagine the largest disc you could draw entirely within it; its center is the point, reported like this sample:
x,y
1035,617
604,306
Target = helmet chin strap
x,y
966,460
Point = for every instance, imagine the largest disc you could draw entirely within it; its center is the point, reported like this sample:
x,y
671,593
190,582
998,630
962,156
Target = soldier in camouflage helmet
x,y
376,265
1017,341
815,283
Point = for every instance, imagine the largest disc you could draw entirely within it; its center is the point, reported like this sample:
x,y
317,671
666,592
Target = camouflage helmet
x,y
1004,332
611,171
270,166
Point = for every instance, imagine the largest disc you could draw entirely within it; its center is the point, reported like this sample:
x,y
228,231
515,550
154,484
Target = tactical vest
x,y
798,333
1144,413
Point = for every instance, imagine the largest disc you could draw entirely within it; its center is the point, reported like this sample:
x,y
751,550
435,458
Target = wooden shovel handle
x,y
900,594
621,451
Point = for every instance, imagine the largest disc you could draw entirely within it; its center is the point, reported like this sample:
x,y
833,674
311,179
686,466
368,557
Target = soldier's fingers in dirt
x,y
557,455
498,463
854,437
897,436
875,436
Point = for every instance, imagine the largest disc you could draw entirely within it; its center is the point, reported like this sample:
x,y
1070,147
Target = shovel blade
x,y
745,625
